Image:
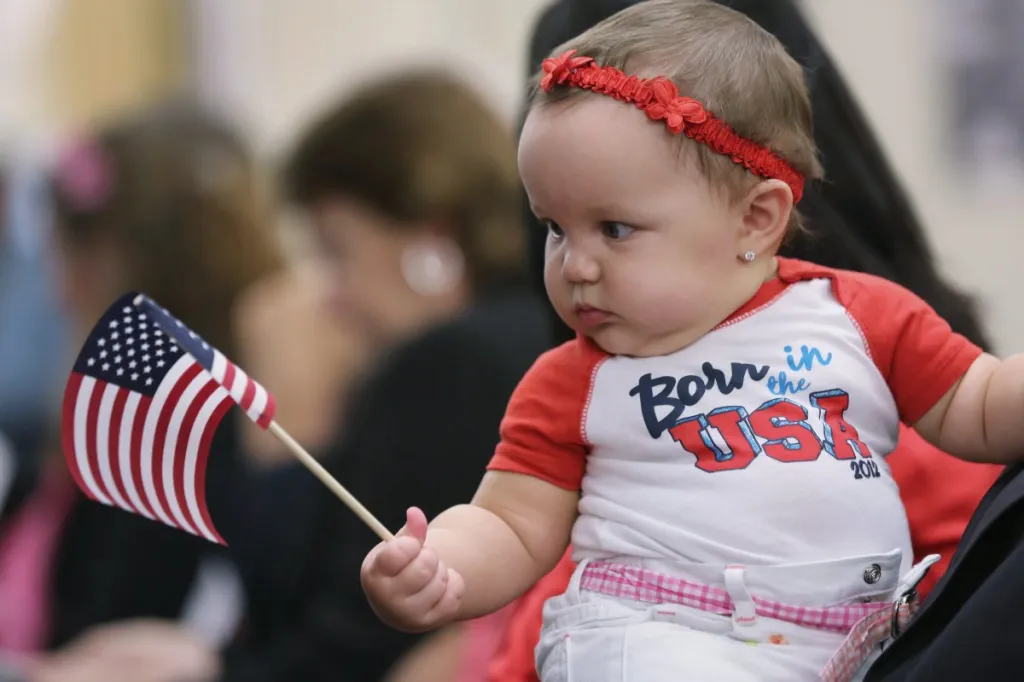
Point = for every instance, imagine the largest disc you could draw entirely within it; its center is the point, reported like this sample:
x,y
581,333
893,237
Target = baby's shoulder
x,y
850,288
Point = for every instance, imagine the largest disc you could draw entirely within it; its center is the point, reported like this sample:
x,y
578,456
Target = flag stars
x,y
145,346
147,369
91,361
103,354
158,332
120,371
159,352
135,376
133,364
106,366
145,358
113,324
143,336
101,343
131,352
116,347
115,336
149,381
117,359
159,342
129,341
160,363
126,309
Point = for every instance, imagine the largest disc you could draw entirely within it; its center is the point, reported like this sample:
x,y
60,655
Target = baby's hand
x,y
407,584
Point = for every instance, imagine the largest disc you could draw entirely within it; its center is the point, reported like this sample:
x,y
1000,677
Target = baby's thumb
x,y
415,525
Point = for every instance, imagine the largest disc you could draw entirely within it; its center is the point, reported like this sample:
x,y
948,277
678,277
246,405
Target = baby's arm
x,y
959,398
476,558
512,535
981,418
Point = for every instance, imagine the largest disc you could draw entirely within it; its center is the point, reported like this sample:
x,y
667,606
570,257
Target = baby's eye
x,y
554,229
616,230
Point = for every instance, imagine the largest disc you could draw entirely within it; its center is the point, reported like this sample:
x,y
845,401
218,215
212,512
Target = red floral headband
x,y
659,98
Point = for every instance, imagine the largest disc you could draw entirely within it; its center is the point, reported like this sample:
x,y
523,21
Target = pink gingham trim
x,y
639,584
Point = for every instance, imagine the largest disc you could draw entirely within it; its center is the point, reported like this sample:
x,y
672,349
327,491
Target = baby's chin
x,y
615,340
618,339
614,337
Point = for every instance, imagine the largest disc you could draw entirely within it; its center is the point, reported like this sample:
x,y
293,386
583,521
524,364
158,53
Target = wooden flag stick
x,y
345,496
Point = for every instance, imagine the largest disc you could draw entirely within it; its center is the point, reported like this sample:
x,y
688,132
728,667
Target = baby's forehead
x,y
594,150
596,135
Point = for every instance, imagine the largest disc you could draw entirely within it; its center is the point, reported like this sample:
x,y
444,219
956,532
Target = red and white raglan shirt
x,y
762,443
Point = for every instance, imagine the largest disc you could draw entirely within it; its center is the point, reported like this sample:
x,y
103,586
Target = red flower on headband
x,y
677,112
560,68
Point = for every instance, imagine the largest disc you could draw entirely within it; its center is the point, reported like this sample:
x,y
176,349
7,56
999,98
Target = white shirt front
x,y
715,488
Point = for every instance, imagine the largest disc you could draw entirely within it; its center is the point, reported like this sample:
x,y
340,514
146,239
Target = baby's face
x,y
642,256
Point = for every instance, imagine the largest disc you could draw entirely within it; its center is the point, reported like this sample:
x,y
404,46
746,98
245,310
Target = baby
x,y
714,440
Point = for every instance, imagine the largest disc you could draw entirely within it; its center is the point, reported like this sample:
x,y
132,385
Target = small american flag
x,y
140,409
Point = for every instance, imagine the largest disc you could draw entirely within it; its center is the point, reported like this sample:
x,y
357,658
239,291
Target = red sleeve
x,y
916,351
542,431
937,520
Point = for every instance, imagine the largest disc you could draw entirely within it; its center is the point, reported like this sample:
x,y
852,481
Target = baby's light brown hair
x,y
740,72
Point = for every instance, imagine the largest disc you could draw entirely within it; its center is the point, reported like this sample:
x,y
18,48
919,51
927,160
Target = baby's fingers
x,y
424,598
390,558
447,607
420,572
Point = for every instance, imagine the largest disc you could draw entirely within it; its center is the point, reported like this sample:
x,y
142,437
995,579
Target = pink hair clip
x,y
83,175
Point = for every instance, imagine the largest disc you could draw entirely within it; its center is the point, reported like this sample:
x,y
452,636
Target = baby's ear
x,y
764,213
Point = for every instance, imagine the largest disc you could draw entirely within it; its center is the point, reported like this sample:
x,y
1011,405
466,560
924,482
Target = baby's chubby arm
x,y
472,559
981,418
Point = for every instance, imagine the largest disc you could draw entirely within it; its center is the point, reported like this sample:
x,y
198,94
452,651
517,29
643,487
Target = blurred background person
x,y
302,354
165,202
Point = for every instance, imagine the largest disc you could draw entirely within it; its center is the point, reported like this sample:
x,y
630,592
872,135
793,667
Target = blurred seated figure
x,y
165,202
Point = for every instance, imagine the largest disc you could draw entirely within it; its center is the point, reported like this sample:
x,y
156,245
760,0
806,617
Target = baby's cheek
x,y
665,303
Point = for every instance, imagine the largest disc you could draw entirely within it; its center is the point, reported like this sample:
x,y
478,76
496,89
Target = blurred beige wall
x,y
274,63
106,56
70,63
